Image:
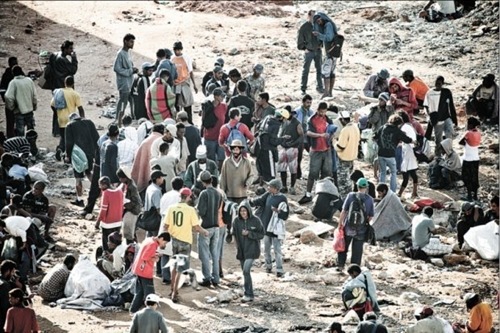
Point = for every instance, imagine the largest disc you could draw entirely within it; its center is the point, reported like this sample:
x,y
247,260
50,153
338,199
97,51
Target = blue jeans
x,y
309,56
214,151
143,287
208,249
391,163
22,120
278,255
439,128
399,157
165,272
246,266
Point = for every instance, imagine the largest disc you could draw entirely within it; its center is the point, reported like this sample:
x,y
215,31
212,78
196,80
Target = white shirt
x,y
170,198
118,258
130,133
17,225
409,161
471,153
432,100
142,131
126,152
447,6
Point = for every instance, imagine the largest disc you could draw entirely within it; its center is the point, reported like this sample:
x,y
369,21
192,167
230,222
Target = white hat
x,y
127,170
153,298
201,152
172,129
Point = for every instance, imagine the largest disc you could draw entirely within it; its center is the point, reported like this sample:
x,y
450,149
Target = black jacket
x,y
83,133
62,68
446,108
247,247
305,38
388,137
266,202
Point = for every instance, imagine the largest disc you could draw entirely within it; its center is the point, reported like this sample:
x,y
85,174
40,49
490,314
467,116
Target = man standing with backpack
x,y
234,130
212,118
326,31
356,214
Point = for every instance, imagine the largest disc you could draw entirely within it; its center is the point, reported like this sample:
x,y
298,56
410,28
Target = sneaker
x,y
320,90
205,283
339,268
280,274
292,191
246,299
215,285
78,203
303,92
165,282
284,190
83,213
229,238
269,270
305,199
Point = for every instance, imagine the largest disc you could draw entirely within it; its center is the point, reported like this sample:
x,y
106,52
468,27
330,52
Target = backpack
x,y
235,134
208,117
46,80
336,50
356,214
59,99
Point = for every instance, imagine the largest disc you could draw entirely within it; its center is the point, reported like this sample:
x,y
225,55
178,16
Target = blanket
x,y
391,222
141,168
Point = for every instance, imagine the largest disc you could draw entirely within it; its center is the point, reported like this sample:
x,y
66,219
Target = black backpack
x,y
336,50
208,117
356,213
47,80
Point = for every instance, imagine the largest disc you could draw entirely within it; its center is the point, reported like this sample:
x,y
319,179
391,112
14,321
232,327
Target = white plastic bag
x,y
37,174
485,240
87,281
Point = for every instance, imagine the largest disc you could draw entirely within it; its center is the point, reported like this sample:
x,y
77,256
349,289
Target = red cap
x,y
186,191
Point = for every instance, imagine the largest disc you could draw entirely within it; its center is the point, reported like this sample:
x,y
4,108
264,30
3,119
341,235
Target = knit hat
x,y
362,183
201,152
182,115
384,96
276,183
115,238
147,65
258,68
205,175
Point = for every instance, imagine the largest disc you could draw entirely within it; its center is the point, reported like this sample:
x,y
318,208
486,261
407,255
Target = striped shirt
x,y
17,145
160,101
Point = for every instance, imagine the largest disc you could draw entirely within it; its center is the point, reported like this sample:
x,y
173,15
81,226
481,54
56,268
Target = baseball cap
x,y
466,206
185,191
282,113
219,92
258,68
205,176
276,183
383,74
147,65
217,69
153,298
182,115
220,61
490,77
157,174
362,183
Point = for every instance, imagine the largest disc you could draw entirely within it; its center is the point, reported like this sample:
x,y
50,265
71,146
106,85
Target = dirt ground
x,y
379,34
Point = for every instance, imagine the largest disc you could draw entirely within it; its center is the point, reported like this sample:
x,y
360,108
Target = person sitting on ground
x,y
355,176
472,215
335,327
15,207
391,221
22,145
111,262
402,97
480,316
37,205
359,291
484,100
377,84
427,322
422,229
444,9
451,164
493,213
20,318
129,256
370,325
52,286
470,165
149,320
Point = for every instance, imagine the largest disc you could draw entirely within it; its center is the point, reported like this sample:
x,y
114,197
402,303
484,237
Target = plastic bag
x,y
485,240
36,173
339,240
87,281
9,251
79,159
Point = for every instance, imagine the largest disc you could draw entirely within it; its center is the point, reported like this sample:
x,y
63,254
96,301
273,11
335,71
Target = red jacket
x,y
145,261
111,211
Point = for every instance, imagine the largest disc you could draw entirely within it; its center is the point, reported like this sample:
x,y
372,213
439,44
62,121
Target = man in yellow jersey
x,y
181,220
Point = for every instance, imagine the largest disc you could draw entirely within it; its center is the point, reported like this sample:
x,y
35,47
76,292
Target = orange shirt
x,y
419,88
480,318
182,69
473,138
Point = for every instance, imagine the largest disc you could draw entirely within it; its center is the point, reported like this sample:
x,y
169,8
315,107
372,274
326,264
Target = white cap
x,y
172,129
201,152
153,298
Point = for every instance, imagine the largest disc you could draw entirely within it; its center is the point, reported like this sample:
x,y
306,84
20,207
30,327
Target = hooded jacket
x,y
452,160
267,201
405,94
247,247
388,137
327,31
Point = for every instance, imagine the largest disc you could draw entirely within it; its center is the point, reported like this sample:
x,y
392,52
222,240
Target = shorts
x,y
88,171
328,67
288,160
182,248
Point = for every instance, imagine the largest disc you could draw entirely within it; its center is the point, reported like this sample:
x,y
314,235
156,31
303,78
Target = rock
x,y
60,246
376,258
225,296
308,237
317,298
437,262
383,275
456,259
329,279
234,52
311,278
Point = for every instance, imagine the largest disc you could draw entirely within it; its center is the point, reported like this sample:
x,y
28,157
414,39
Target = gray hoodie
x,y
452,160
247,247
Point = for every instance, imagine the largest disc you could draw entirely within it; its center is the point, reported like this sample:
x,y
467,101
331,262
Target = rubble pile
x,y
234,8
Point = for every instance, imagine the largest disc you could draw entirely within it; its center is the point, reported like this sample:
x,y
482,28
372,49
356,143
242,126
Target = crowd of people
x,y
158,177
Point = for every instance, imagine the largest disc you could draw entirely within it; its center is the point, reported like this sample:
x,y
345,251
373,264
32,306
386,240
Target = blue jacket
x,y
327,31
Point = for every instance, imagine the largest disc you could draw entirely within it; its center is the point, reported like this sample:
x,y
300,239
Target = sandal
x,y
175,298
